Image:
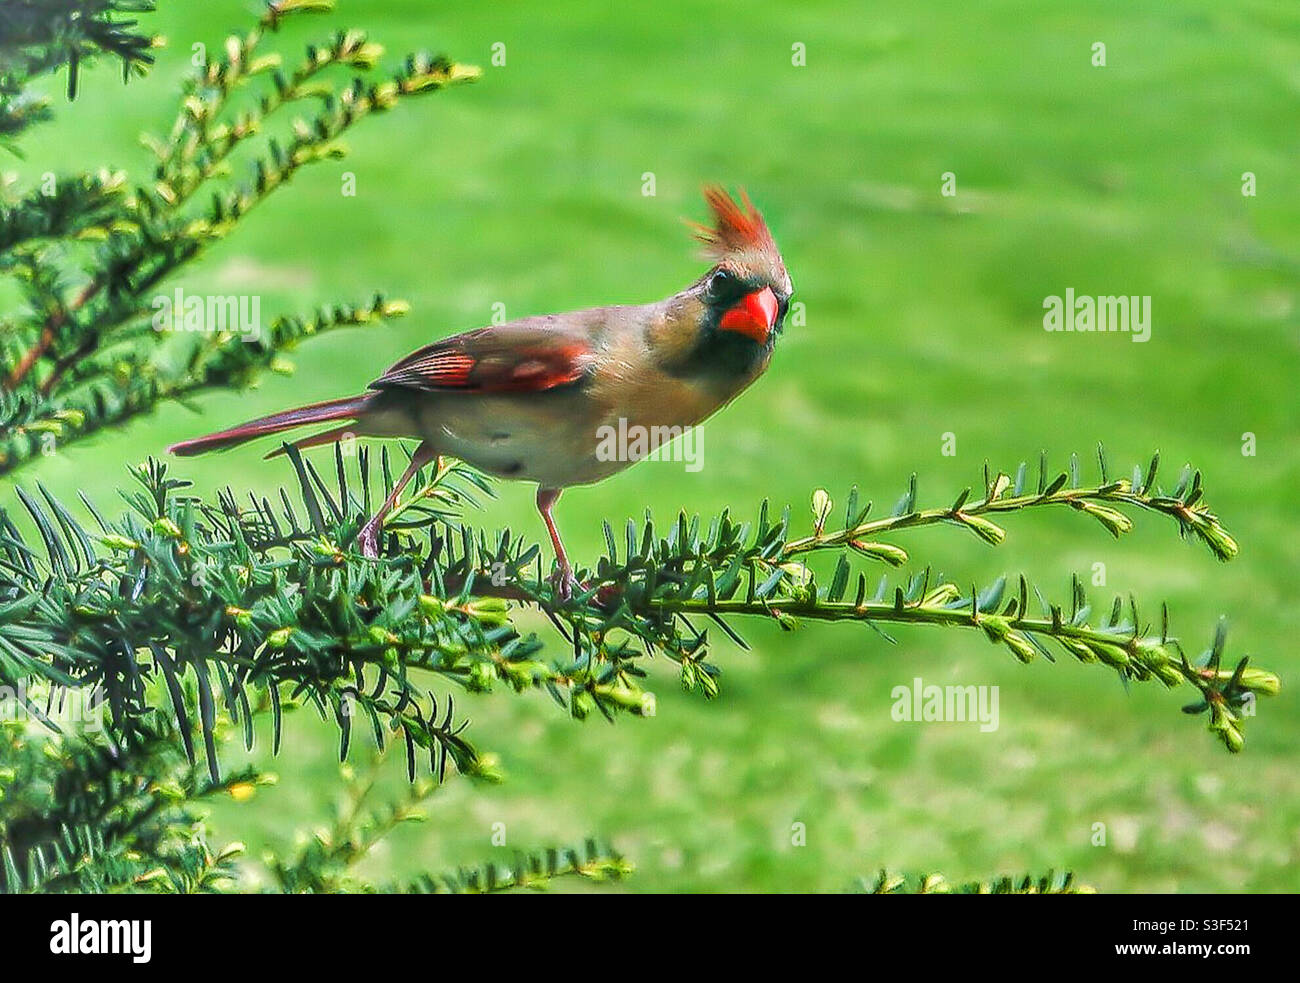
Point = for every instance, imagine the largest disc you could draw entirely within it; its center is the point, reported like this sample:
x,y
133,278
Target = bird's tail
x,y
350,407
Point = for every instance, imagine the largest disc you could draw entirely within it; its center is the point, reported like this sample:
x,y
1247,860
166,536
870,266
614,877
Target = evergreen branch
x,y
534,871
189,617
78,207
735,569
239,601
1049,883
125,385
138,272
70,367
278,596
78,814
48,333
326,863
41,36
200,144
18,112
1228,693
321,140
1183,504
185,613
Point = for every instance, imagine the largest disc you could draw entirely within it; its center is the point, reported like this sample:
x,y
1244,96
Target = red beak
x,y
753,315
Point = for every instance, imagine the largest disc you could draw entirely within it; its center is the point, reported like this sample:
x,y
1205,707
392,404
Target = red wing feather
x,y
490,360
431,370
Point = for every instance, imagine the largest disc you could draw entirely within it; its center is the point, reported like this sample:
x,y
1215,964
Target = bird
x,y
529,399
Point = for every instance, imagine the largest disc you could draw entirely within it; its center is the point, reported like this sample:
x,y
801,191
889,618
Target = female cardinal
x,y
529,399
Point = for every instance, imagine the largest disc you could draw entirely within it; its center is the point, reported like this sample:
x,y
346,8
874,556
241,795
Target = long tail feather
x,y
332,436
350,407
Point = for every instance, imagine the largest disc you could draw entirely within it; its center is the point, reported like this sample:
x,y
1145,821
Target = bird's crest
x,y
739,237
738,227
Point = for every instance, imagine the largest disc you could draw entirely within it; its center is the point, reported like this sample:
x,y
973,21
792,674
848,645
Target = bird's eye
x,y
723,284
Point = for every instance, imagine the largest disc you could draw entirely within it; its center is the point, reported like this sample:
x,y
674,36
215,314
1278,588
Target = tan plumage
x,y
527,400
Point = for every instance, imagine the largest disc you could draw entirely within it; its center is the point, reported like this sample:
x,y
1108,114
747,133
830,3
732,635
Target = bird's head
x,y
746,292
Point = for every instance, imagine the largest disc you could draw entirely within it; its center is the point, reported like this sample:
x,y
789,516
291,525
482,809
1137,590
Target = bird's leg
x,y
369,535
564,582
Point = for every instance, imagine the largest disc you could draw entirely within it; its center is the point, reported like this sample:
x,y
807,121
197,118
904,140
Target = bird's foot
x,y
564,582
368,540
567,585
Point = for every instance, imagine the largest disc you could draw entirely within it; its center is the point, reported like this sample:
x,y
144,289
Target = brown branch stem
x,y
48,334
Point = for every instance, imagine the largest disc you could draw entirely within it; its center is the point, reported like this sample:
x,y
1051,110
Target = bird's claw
x,y
368,540
565,583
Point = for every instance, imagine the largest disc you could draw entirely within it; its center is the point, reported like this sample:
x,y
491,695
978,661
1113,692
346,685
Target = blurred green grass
x,y
923,317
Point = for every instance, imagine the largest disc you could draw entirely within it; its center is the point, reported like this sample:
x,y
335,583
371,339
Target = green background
x,y
923,317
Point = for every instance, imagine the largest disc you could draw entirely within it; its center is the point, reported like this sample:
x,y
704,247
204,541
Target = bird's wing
x,y
524,356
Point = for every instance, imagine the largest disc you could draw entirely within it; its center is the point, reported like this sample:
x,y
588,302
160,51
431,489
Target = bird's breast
x,y
572,436
625,406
